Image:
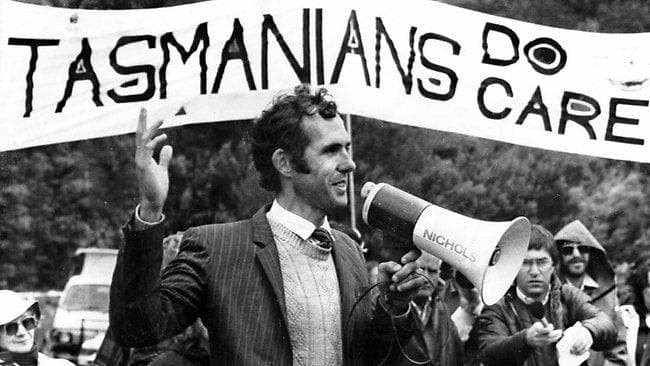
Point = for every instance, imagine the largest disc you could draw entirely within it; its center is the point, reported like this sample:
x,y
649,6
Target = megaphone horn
x,y
488,253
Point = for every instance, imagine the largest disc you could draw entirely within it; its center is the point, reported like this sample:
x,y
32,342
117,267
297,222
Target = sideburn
x,y
300,165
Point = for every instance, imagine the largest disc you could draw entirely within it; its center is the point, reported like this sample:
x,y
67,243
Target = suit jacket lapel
x,y
345,268
267,254
349,279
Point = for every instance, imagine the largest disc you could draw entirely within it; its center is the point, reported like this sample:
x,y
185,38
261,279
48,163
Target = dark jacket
x,y
602,296
229,275
501,328
435,340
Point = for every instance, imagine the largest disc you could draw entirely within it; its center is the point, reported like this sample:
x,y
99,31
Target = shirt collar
x,y
529,300
295,223
587,282
422,312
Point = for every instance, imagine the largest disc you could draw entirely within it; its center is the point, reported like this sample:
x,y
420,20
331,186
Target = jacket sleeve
x,y
390,325
145,305
618,354
496,346
595,320
383,330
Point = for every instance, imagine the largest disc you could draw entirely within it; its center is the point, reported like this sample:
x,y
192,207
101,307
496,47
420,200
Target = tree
x,y
54,199
617,212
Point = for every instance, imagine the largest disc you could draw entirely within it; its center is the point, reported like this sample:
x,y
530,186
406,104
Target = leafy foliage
x,y
54,199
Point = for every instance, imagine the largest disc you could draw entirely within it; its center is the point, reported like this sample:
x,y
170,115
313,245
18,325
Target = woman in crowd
x,y
639,281
18,321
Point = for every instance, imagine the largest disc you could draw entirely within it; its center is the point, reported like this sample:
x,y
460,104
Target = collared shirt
x,y
295,223
529,300
423,312
587,282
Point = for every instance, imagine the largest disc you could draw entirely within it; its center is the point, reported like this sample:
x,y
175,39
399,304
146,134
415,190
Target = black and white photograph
x,y
362,182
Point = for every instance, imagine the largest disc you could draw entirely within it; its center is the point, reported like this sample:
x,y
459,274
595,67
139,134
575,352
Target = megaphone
x,y
488,253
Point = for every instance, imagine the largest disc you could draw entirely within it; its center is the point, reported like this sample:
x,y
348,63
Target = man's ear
x,y
282,162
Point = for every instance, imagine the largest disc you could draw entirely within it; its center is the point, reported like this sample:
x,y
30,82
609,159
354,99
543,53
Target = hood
x,y
576,232
599,267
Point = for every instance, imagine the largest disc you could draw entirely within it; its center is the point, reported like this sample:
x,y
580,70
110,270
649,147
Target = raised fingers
x,y
151,131
142,124
155,141
165,156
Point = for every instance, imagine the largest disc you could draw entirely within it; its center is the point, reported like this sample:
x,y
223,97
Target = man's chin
x,y
576,269
22,348
338,208
340,201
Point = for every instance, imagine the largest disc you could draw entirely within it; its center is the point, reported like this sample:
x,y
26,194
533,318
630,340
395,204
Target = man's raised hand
x,y
153,177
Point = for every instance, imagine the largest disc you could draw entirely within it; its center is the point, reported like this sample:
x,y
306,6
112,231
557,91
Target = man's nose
x,y
347,165
576,252
534,269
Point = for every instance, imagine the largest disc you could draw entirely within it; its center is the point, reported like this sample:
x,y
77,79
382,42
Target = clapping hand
x,y
539,335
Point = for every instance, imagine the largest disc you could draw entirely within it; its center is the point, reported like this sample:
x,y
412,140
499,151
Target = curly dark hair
x,y
542,239
279,128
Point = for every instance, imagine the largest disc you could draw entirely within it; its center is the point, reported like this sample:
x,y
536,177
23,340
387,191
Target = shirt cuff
x,y
403,316
387,309
139,224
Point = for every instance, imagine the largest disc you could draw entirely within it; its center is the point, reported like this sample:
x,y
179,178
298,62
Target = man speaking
x,y
279,287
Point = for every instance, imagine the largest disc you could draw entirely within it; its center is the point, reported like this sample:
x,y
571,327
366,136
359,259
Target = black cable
x,y
442,346
396,338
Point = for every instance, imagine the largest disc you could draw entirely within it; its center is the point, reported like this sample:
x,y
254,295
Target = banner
x,y
69,74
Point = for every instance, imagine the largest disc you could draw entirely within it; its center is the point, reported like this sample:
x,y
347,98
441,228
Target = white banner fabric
x,y
68,74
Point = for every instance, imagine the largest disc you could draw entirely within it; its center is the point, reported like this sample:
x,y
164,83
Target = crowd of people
x,y
285,288
565,291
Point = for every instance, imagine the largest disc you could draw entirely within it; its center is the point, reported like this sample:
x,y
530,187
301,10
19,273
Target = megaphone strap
x,y
603,294
436,300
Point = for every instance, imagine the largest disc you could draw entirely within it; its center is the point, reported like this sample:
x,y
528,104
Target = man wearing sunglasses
x,y
18,322
584,265
525,326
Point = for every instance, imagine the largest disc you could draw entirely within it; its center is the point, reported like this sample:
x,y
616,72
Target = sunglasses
x,y
567,249
28,323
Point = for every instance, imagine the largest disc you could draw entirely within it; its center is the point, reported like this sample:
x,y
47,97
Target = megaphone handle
x,y
397,245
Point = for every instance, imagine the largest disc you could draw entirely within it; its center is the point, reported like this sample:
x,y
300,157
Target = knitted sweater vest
x,y
311,291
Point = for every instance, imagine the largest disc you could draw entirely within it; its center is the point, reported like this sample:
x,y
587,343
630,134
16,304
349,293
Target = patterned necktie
x,y
322,237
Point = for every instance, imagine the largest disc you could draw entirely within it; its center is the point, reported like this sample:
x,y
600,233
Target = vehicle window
x,y
87,297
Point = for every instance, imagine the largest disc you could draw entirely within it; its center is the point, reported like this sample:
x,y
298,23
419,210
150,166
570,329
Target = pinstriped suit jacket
x,y
229,276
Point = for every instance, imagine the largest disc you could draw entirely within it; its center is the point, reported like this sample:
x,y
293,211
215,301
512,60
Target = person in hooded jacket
x,y
584,264
511,332
18,322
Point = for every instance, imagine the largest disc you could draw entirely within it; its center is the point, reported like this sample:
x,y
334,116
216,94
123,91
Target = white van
x,y
82,311
97,262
